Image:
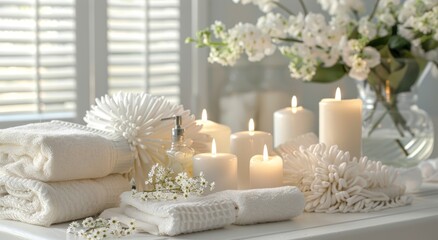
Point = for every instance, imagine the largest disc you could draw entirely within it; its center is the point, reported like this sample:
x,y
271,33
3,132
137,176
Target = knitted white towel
x,y
265,205
175,217
59,151
40,203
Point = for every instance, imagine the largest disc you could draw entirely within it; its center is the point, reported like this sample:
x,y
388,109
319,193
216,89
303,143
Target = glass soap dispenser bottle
x,y
179,154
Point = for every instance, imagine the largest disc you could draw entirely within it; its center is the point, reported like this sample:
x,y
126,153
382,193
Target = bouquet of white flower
x,y
388,47
324,51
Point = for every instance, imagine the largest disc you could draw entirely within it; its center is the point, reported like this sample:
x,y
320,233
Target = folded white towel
x,y
59,151
40,203
265,205
175,217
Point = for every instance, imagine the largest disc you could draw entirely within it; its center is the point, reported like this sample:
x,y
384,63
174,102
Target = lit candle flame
x,y
251,125
213,147
294,102
338,94
204,115
265,153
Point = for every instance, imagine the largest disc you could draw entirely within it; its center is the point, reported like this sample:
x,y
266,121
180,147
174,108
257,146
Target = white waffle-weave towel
x,y
40,203
59,151
265,205
175,217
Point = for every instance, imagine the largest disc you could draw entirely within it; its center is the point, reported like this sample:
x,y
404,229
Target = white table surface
x,y
418,221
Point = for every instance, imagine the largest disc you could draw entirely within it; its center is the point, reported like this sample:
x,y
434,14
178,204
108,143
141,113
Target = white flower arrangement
x,y
100,228
164,184
348,42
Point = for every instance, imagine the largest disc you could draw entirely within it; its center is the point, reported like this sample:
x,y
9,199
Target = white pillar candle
x,y
291,122
219,132
220,168
340,123
266,171
245,145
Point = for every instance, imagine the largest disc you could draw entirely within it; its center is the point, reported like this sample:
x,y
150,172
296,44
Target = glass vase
x,y
395,130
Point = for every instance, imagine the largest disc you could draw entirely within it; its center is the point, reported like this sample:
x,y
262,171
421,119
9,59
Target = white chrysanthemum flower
x,y
333,182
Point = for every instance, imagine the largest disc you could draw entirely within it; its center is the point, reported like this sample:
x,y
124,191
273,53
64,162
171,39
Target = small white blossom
x,y
341,6
296,25
264,5
302,65
163,184
274,25
387,19
367,28
359,69
100,228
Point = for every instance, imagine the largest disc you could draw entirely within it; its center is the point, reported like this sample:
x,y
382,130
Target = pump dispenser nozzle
x,y
177,130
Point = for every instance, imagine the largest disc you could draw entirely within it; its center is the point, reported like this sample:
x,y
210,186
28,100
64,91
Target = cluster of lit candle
x,y
242,160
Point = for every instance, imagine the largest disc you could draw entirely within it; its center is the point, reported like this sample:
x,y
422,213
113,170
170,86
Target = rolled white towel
x,y
40,203
59,151
175,217
266,205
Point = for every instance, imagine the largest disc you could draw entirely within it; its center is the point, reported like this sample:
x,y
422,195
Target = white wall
x,y
309,94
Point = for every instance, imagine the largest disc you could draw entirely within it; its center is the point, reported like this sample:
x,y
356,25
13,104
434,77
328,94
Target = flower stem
x,y
374,10
288,39
284,8
303,6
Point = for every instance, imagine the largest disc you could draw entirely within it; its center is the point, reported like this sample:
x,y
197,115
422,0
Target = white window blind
x,y
37,58
144,47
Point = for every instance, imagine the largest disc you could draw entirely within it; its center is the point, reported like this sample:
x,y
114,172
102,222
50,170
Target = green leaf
x,y
397,77
398,42
330,74
429,44
379,42
407,78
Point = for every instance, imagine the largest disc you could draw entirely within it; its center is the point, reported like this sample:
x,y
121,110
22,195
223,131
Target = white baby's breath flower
x,y
100,228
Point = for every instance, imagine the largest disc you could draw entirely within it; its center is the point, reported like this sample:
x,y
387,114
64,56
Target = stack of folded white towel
x,y
241,207
57,171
